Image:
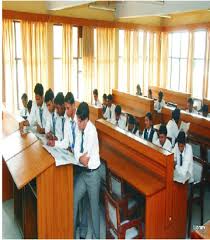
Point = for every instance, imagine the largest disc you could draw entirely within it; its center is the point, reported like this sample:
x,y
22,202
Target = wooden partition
x,y
149,169
178,98
207,102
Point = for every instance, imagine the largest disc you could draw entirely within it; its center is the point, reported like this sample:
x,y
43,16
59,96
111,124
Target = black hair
x,y
59,99
24,96
109,97
160,94
118,109
205,108
49,95
95,92
190,101
131,120
39,90
163,129
150,91
104,96
69,98
29,104
176,114
181,138
83,111
149,115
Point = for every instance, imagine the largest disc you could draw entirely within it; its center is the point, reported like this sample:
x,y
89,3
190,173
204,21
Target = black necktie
x,y
81,146
146,134
110,113
53,120
181,159
40,114
63,121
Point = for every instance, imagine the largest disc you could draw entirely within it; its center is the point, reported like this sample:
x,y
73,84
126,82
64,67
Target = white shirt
x,y
57,122
90,145
184,172
159,105
24,112
97,103
35,118
167,145
193,111
155,136
121,122
110,111
172,130
70,128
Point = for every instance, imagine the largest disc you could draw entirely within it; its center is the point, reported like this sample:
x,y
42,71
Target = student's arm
x,y
64,144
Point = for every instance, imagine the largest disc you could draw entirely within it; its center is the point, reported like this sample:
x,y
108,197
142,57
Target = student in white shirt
x,y
149,132
160,103
183,158
39,112
190,108
172,126
104,104
133,126
110,110
96,101
24,112
29,106
163,141
138,90
86,152
205,111
119,120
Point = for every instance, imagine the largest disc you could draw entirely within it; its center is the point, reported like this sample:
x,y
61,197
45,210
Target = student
x,y
190,108
104,105
96,101
163,141
160,103
119,120
149,132
55,124
39,112
138,90
150,93
49,100
29,106
183,158
172,126
133,126
110,110
24,112
205,111
86,152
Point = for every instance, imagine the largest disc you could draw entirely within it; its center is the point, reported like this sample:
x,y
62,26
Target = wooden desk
x,y
149,169
203,232
178,98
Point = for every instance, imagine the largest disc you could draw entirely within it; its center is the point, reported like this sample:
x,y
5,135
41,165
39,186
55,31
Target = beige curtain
x,y
105,60
190,63
67,57
206,93
88,62
35,54
127,58
9,78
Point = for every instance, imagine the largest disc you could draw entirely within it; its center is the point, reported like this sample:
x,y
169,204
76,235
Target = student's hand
x,y
54,138
49,136
40,130
51,143
21,126
84,159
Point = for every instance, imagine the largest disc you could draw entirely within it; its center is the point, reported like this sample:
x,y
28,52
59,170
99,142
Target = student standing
x,y
96,101
149,132
163,141
110,110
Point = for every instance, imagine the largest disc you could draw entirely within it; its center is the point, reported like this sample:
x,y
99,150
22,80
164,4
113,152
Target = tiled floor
x,y
10,228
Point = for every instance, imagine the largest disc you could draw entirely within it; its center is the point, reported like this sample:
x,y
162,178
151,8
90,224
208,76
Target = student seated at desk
x,y
163,141
205,111
133,127
24,112
190,108
39,112
104,104
160,103
29,106
149,132
183,158
110,110
172,126
119,119
55,123
96,101
138,90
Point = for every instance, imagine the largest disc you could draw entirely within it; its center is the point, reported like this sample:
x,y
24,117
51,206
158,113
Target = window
x,y
19,74
198,63
57,57
177,61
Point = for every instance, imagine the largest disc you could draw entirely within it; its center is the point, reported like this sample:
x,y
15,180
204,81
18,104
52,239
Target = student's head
x,y
109,100
29,105
59,104
148,120
39,92
24,99
49,100
150,93
162,134
131,123
181,140
104,99
95,94
138,89
118,111
205,110
69,104
176,115
82,115
190,104
160,96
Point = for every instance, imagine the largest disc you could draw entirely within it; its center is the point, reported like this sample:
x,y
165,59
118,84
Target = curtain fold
x,y
206,92
189,81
